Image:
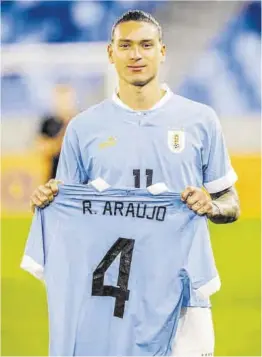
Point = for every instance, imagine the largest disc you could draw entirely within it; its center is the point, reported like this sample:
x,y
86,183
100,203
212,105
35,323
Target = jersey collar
x,y
158,105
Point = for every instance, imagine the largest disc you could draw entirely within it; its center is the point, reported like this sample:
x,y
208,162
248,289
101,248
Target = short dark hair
x,y
140,16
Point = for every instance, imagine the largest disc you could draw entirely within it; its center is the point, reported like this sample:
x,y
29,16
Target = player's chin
x,y
140,81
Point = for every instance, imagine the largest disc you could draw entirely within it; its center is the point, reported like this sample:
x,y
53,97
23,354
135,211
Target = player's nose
x,y
135,53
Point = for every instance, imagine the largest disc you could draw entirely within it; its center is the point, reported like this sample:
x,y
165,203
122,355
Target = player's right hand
x,y
44,194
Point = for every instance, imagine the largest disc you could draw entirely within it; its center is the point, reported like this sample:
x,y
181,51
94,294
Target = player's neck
x,y
140,98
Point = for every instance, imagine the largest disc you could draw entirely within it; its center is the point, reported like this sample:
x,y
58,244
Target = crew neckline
x,y
158,105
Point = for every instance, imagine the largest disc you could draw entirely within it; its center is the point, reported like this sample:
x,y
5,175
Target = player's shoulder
x,y
195,109
91,116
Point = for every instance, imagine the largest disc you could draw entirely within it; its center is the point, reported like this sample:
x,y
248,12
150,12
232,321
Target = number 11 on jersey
x,y
149,177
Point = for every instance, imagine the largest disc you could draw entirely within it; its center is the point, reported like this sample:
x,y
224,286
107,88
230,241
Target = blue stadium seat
x,y
63,21
234,57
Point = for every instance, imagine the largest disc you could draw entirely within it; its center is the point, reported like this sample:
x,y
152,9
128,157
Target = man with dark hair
x,y
49,142
137,16
52,127
146,134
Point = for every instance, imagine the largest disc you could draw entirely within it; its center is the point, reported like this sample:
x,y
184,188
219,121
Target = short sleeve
x,y
70,168
218,173
34,254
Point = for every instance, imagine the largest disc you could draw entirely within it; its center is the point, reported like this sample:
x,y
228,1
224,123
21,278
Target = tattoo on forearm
x,y
227,203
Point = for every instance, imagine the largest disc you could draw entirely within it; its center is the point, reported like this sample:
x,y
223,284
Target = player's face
x,y
136,52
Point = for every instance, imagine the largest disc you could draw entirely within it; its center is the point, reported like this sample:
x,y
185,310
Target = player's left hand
x,y
197,200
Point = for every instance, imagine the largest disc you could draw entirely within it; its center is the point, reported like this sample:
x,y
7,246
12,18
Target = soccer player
x,y
146,134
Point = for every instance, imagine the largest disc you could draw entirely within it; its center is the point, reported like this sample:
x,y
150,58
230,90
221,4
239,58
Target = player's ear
x,y
163,53
110,53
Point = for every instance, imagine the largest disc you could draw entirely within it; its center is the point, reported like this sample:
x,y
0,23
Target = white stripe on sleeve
x,y
222,183
31,266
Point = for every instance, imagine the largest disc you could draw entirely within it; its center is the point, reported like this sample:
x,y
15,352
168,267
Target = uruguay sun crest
x,y
176,140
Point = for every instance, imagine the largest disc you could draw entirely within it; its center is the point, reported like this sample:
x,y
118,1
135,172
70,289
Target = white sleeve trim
x,y
222,183
209,288
31,266
157,188
99,184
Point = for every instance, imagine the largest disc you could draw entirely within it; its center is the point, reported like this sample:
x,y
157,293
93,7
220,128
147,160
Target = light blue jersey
x,y
118,265
178,142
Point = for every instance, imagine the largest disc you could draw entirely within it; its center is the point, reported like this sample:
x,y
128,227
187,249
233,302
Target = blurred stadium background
x,y
213,57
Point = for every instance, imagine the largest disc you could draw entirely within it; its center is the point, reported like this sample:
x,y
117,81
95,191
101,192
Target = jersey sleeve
x,y
218,173
70,168
33,260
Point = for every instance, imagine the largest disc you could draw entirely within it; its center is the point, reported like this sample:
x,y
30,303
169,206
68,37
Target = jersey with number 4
x,y
118,265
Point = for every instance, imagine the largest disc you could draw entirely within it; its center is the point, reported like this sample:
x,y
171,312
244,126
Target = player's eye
x,y
147,45
124,45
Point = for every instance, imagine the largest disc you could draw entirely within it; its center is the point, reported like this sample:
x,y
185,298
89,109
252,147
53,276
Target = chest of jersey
x,y
137,153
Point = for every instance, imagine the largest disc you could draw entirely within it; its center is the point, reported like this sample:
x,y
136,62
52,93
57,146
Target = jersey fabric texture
x,y
179,142
118,266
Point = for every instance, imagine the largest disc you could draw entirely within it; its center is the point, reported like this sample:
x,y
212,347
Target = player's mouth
x,y
136,68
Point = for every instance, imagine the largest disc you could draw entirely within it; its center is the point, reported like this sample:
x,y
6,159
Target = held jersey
x,y
118,265
179,142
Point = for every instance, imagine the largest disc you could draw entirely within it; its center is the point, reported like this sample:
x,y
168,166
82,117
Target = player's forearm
x,y
226,206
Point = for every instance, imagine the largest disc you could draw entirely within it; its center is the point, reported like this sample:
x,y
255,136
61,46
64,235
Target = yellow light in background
x,y
20,175
16,190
